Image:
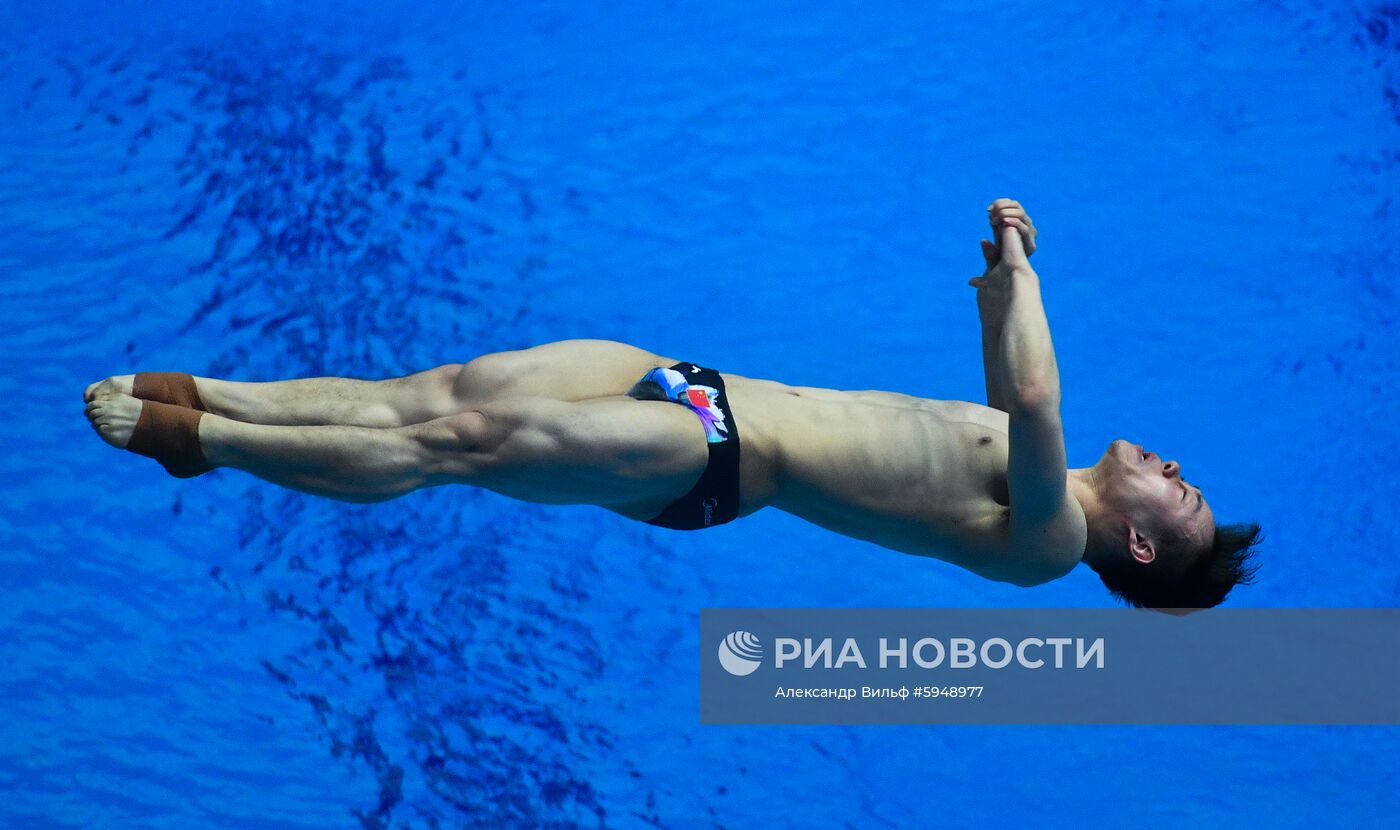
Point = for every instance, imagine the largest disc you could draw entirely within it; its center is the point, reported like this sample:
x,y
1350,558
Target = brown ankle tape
x,y
170,434
168,387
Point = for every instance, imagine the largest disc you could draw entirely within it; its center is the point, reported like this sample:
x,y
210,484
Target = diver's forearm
x,y
991,363
1030,377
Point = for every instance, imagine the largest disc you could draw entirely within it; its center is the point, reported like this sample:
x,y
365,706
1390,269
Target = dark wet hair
x,y
1229,561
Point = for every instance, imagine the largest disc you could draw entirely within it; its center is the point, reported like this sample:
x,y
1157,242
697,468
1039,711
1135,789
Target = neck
x,y
1084,486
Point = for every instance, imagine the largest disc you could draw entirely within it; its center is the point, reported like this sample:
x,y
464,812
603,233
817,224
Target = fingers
x,y
1014,232
1005,204
1010,211
989,252
1004,212
1011,248
998,218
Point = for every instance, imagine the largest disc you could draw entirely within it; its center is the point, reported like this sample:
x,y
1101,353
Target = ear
x,y
1140,546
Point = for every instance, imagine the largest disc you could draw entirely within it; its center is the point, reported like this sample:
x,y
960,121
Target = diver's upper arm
x,y
1042,510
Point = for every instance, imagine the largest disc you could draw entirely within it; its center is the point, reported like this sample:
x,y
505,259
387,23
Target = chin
x,y
1118,461
1112,454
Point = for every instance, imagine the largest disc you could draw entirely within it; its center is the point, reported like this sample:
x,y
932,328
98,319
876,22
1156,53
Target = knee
x,y
486,378
412,399
445,383
458,446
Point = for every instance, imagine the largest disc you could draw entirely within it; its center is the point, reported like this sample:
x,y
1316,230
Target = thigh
x,y
633,457
566,370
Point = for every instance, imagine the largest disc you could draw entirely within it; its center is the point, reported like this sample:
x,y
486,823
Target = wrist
x,y
1022,282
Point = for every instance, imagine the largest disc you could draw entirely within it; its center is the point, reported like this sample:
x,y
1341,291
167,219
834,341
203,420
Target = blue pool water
x,y
284,190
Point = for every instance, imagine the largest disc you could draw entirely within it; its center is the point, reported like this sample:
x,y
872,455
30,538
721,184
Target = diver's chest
x,y
978,447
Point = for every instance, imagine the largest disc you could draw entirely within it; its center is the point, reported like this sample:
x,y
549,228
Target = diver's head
x,y
1153,539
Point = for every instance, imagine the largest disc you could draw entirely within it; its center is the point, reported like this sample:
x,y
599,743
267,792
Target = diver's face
x,y
1151,494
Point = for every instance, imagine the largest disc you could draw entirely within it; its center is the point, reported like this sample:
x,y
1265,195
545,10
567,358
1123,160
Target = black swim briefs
x,y
714,499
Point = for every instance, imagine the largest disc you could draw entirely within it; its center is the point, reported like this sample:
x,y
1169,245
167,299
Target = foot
x,y
114,416
114,385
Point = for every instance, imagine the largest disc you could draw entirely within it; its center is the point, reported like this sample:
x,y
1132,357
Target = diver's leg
x,y
634,457
567,370
391,402
303,401
630,456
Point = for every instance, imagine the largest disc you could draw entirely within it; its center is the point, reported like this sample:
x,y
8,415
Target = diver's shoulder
x,y
989,548
1059,545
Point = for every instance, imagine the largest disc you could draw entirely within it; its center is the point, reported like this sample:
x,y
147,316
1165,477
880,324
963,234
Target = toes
x,y
100,389
114,385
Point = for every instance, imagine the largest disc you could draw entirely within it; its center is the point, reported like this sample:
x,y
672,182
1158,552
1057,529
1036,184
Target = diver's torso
x,y
921,476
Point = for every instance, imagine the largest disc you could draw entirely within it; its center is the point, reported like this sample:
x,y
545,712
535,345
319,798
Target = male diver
x,y
679,445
